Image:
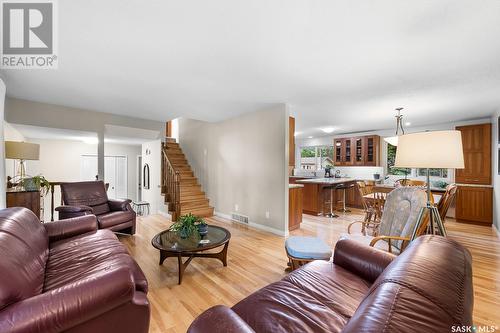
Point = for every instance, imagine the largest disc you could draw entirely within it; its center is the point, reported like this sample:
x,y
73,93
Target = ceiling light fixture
x,y
393,140
328,129
407,124
309,137
297,133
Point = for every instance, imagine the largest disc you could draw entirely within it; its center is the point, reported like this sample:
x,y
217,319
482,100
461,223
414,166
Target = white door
x,y
115,173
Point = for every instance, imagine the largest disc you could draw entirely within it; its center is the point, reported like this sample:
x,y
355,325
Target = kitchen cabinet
x,y
291,141
357,151
295,200
474,204
476,142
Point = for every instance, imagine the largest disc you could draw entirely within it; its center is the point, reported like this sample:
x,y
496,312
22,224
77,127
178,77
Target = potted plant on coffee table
x,y
188,224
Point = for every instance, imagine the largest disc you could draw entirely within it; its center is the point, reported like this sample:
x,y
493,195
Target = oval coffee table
x,y
171,244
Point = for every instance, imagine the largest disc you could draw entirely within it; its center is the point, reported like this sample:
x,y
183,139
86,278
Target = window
x,y
316,158
391,159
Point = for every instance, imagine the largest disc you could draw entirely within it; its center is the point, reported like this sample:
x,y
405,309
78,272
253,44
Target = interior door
x,y
110,175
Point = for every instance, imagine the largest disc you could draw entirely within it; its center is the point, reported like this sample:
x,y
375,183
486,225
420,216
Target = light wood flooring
x,y
257,258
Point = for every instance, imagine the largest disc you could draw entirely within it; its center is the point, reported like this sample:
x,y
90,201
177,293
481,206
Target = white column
x,y
2,146
100,154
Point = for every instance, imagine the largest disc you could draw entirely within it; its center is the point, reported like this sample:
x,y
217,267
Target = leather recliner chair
x,y
83,198
67,276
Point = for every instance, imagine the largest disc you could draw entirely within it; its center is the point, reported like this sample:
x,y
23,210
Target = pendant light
x,y
393,140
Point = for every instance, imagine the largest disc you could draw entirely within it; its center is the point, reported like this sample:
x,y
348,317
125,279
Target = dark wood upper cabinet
x,y
357,151
476,141
291,141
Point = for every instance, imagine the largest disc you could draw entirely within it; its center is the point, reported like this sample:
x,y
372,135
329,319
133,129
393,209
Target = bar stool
x,y
331,188
343,187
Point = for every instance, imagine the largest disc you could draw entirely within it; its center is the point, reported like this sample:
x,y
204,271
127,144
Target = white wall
x,y
243,161
151,154
2,147
496,177
60,162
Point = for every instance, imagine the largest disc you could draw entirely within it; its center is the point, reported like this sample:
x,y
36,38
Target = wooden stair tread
x,y
192,198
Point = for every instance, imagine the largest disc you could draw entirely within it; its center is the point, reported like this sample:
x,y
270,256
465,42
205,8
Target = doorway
x,y
115,173
139,178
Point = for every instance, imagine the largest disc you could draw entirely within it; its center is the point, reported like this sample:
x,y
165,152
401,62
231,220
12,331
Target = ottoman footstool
x,y
301,250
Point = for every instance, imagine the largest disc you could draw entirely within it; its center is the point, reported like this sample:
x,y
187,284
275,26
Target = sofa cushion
x,y
23,255
320,297
113,218
81,257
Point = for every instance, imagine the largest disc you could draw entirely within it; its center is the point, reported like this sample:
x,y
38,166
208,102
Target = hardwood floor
x,y
257,258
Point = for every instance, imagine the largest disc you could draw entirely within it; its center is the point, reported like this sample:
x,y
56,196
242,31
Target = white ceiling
x,y
46,133
336,63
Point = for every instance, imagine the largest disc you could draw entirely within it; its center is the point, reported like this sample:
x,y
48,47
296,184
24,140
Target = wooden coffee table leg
x,y
223,254
163,256
183,266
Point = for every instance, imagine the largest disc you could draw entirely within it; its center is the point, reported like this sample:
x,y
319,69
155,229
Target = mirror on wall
x,y
145,175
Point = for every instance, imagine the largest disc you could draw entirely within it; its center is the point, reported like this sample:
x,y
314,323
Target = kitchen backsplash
x,y
353,172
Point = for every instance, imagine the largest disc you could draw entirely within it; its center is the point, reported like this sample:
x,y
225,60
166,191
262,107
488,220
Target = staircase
x,y
183,194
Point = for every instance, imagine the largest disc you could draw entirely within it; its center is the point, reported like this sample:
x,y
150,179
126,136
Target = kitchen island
x,y
316,193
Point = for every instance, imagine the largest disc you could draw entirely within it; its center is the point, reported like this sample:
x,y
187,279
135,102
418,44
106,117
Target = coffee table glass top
x,y
171,241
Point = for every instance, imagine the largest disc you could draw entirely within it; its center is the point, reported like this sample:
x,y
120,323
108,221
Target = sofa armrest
x,y
70,227
360,259
118,205
219,318
60,309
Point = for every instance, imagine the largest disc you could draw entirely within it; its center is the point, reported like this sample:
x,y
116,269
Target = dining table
x,y
382,189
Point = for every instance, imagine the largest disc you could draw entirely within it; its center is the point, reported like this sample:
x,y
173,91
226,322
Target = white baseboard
x,y
254,225
496,231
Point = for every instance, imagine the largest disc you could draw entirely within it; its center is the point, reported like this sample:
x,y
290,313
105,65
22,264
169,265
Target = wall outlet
x,y
267,215
236,207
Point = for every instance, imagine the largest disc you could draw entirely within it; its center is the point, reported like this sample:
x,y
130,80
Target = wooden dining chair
x,y
410,182
372,206
399,219
446,201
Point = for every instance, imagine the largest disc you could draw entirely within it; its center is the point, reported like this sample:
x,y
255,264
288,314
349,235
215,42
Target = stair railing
x,y
170,184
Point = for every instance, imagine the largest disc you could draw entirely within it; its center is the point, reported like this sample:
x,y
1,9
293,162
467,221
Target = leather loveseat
x,y
67,276
428,288
82,198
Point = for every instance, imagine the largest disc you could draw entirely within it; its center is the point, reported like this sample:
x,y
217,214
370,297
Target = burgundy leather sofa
x,y
428,288
82,198
67,276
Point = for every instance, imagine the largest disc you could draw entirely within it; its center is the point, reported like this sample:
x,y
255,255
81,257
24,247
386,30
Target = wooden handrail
x,y
170,184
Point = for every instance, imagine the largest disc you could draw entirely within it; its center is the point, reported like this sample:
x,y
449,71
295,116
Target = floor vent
x,y
239,218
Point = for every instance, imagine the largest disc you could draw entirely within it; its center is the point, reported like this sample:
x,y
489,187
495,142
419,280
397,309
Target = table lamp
x,y
22,151
428,150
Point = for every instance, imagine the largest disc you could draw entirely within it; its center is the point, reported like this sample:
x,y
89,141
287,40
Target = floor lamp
x,y
429,150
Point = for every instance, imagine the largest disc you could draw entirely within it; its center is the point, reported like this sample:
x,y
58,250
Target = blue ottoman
x,y
301,250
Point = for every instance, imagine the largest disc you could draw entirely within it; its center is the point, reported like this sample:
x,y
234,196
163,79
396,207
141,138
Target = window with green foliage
x,y
315,158
391,160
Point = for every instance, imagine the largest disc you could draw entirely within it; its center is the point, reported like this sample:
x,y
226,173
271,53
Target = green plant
x,y
36,183
186,225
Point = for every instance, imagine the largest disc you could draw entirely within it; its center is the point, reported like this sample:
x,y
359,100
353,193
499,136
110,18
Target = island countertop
x,y
327,181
